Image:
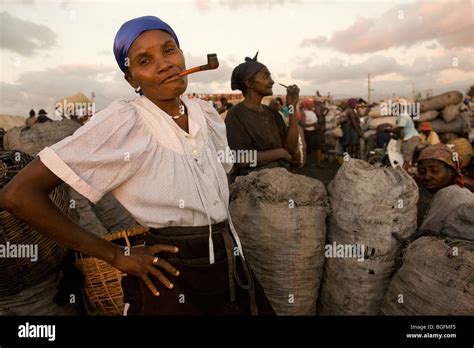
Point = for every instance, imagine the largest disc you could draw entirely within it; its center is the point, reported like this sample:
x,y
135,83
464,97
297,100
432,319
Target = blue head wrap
x,y
129,31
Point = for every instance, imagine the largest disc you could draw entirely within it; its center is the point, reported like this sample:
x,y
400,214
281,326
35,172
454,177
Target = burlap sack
x,y
373,123
450,113
459,126
445,205
436,278
376,111
280,218
368,206
460,224
428,116
32,139
440,101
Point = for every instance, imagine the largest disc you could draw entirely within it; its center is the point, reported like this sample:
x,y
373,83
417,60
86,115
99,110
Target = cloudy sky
x,y
52,49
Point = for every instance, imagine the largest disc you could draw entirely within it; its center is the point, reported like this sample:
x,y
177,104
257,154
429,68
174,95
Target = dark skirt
x,y
350,135
314,140
201,288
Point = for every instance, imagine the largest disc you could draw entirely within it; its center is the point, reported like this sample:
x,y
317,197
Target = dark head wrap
x,y
245,71
129,31
352,102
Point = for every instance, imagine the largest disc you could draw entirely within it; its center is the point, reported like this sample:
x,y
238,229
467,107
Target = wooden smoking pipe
x,y
212,63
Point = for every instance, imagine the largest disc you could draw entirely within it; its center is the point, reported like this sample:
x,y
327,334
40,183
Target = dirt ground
x,y
325,174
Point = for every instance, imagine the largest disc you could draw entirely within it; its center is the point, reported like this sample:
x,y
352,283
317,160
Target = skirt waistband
x,y
183,231
193,242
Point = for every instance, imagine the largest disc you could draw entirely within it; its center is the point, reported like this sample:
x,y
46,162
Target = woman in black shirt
x,y
252,126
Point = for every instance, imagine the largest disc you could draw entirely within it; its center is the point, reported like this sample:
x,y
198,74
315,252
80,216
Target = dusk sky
x,y
52,49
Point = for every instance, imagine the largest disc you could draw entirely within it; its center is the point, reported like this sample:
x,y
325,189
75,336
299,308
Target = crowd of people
x,y
311,117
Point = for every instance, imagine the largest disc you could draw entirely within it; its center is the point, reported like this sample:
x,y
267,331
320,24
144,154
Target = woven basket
x,y
103,289
464,149
19,273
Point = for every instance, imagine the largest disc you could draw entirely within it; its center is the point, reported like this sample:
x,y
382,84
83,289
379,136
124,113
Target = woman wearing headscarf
x,y
158,155
310,123
321,111
439,172
427,135
350,124
252,126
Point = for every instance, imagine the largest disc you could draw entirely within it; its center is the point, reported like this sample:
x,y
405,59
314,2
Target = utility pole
x,y
413,90
93,103
369,89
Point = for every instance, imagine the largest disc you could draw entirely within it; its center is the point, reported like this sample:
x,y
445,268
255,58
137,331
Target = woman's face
x,y
434,175
262,82
155,61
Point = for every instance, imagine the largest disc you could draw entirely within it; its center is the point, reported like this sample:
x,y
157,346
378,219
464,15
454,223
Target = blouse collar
x,y
194,115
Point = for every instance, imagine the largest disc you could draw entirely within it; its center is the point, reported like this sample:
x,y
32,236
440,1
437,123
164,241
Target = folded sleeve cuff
x,y
54,163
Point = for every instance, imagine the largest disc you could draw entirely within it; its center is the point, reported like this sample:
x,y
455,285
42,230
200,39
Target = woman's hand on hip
x,y
142,262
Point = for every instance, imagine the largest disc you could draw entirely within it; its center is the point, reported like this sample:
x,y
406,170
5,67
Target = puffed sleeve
x,y
102,154
217,130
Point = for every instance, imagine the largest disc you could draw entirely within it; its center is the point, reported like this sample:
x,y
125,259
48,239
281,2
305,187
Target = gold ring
x,y
155,260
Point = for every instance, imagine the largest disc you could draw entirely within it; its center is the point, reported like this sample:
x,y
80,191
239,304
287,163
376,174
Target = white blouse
x,y
162,175
310,117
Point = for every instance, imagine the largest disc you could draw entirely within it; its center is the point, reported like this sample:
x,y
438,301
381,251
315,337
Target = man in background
x,y
410,137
